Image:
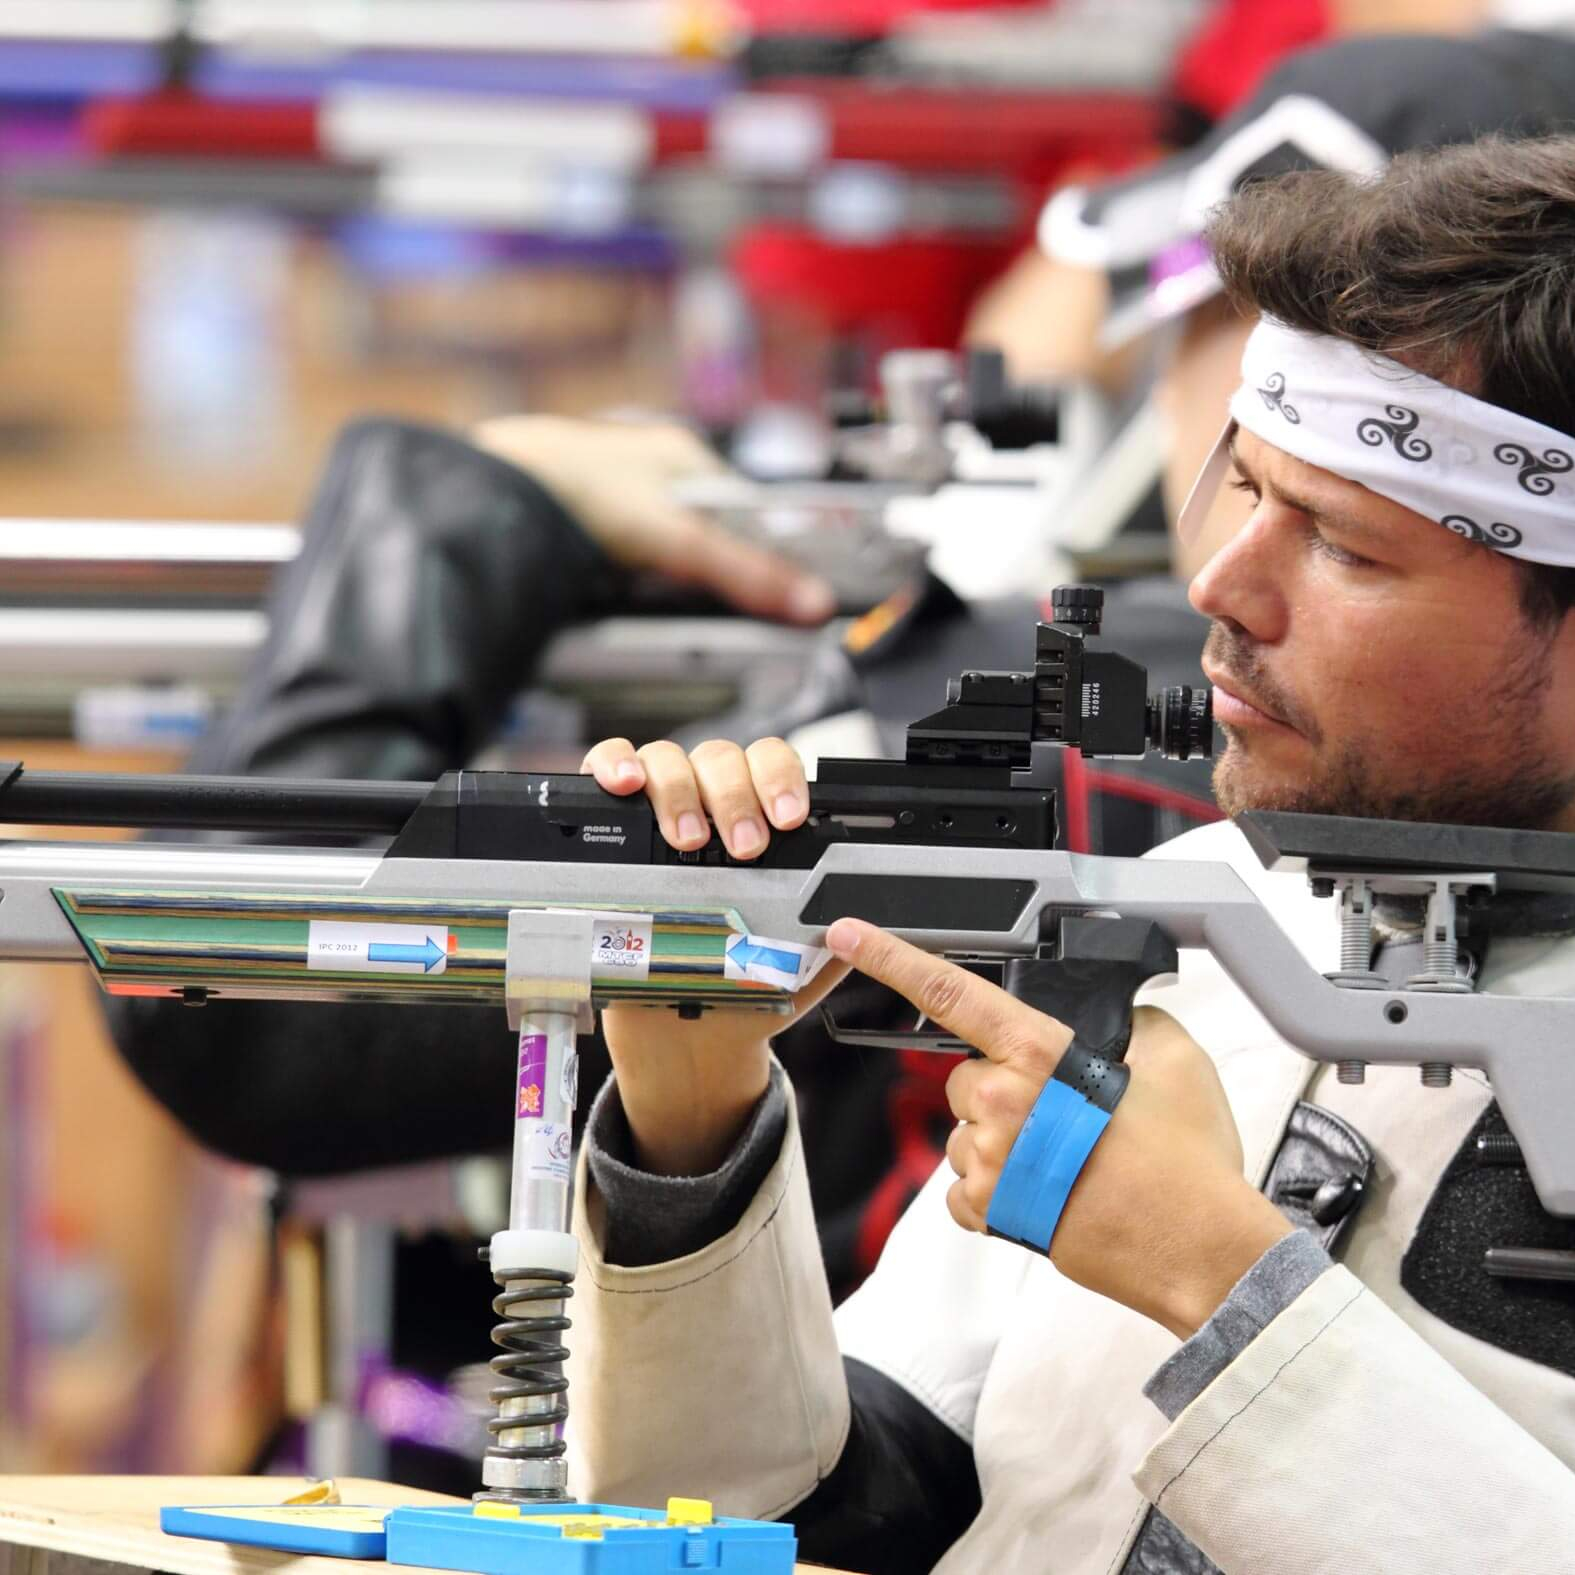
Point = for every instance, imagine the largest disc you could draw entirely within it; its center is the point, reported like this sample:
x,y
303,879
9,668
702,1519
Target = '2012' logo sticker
x,y
621,941
622,950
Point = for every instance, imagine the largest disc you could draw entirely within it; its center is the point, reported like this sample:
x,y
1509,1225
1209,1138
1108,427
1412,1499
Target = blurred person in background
x,y
1048,311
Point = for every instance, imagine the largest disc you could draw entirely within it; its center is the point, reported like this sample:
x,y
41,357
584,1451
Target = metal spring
x,y
532,1364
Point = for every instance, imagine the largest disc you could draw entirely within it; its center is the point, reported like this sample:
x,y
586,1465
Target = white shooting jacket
x,y
1357,1433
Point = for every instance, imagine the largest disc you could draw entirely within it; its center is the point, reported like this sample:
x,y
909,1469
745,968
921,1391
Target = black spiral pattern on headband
x,y
1271,392
1399,431
1536,475
1494,535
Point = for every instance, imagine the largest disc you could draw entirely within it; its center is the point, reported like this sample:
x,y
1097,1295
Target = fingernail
x,y
630,771
690,827
789,806
843,939
749,836
811,599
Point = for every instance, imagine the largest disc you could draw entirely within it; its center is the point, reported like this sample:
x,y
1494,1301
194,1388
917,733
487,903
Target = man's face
x,y
1366,661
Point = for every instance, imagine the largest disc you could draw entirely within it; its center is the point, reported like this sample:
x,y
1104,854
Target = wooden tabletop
x,y
117,1519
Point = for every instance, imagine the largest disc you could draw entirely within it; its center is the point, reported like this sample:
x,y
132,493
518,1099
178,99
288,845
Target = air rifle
x,y
543,893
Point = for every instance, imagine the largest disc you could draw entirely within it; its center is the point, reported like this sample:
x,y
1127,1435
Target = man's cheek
x,y
1361,679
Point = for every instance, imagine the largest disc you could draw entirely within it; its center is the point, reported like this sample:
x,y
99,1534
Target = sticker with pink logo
x,y
533,1077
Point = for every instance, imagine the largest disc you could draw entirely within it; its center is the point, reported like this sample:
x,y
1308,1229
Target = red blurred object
x,y
920,1119
916,291
842,18
909,128
902,292
679,136
191,127
1239,45
1005,133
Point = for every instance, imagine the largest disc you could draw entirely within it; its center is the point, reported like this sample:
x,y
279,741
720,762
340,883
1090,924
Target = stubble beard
x,y
1518,782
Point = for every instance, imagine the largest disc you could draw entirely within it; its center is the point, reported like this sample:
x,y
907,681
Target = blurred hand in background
x,y
618,480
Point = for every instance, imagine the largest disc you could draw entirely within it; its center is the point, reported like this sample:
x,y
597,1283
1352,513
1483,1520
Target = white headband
x,y
1481,470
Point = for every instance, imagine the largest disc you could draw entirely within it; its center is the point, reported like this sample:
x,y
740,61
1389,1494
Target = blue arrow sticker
x,y
785,964
429,954
747,952
335,946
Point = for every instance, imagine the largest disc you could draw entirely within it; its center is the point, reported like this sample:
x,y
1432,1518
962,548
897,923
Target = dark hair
x,y
1459,260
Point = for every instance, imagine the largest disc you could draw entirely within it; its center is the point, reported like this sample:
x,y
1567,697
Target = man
x,y
1390,636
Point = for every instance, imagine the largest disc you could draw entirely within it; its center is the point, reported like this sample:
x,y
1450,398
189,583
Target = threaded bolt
x,y
1498,1148
1356,939
1356,930
1441,949
1437,1074
1351,1071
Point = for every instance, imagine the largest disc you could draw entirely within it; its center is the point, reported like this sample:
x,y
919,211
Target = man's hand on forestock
x,y
689,1088
1161,1217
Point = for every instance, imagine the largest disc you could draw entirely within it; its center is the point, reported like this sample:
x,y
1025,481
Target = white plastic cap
x,y
516,1252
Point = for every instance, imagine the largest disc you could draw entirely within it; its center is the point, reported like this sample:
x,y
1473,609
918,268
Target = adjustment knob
x,y
1200,723
1078,604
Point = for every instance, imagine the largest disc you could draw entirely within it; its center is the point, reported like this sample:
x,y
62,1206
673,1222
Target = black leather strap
x,y
1320,1173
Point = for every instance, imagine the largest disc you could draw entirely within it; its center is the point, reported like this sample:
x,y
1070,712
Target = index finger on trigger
x,y
975,1011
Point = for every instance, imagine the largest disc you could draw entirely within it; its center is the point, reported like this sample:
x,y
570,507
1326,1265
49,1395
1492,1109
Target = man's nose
x,y
1244,583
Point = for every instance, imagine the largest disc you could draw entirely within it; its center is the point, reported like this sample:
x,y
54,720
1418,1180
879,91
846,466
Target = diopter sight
x,y
1097,702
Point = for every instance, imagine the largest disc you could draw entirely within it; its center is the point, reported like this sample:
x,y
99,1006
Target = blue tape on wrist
x,y
1047,1158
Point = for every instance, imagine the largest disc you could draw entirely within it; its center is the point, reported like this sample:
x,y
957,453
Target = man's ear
x,y
1546,598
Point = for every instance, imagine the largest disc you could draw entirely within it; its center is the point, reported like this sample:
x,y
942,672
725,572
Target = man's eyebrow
x,y
1343,519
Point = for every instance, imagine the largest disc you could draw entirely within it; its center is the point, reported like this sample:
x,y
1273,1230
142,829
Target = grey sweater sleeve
x,y
654,1219
1256,1300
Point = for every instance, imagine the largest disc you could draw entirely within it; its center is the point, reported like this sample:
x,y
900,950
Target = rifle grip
x,y
1090,986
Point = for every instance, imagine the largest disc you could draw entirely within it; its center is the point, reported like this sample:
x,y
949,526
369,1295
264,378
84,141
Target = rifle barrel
x,y
263,804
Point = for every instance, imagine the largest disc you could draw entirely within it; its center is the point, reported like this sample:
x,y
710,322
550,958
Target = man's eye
x,y
1241,484
1327,549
